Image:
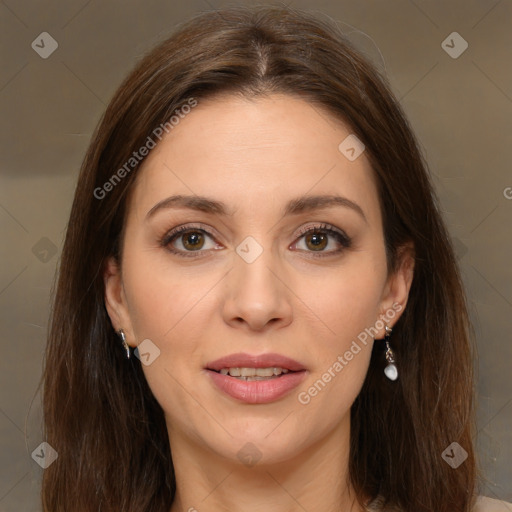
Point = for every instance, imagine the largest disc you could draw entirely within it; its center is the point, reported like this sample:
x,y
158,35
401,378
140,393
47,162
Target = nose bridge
x,y
255,294
252,270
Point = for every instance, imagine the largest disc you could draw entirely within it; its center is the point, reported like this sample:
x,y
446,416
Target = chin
x,y
259,444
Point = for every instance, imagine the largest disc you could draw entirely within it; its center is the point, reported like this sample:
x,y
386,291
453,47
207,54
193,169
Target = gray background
x,y
460,109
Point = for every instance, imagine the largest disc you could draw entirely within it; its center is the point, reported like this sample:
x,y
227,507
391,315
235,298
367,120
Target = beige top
x,y
483,504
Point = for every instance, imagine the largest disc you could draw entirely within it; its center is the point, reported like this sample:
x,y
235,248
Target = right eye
x,y
185,240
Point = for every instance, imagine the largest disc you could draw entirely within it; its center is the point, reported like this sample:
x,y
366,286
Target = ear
x,y
115,299
396,291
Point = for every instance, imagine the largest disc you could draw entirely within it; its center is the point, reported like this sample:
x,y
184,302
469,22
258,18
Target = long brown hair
x,y
99,412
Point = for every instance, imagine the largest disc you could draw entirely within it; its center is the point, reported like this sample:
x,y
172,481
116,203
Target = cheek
x,y
344,307
169,308
342,354
344,304
161,300
172,307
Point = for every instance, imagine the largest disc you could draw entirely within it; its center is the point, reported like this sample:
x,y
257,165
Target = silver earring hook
x,y
123,341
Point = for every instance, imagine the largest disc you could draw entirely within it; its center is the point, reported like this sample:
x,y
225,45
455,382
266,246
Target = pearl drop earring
x,y
391,370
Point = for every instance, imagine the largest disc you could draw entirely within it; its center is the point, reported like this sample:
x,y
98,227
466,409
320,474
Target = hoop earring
x,y
123,341
390,371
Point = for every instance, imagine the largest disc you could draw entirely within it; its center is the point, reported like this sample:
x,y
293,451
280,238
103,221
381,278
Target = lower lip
x,y
257,391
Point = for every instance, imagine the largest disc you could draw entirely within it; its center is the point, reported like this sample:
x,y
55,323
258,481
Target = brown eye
x,y
189,241
193,240
324,240
316,241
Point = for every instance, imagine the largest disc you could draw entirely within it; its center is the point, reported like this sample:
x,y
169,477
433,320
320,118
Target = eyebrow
x,y
293,207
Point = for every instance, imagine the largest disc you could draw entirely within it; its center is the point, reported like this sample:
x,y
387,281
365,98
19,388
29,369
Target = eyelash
x,y
340,237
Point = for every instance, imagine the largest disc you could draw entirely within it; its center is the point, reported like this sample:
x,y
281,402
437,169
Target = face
x,y
274,251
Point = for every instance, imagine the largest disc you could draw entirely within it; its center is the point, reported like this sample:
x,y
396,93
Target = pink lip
x,y
259,391
242,360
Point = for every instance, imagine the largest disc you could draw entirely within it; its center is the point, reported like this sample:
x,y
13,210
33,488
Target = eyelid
x,y
322,226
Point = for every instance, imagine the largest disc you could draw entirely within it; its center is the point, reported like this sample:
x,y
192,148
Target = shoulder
x,y
484,504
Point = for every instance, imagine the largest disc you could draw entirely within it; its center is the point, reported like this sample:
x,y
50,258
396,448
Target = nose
x,y
256,295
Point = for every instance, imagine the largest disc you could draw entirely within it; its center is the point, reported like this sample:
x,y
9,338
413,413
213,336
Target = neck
x,y
314,479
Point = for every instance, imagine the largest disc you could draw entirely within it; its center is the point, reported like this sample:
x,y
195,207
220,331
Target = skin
x,y
254,156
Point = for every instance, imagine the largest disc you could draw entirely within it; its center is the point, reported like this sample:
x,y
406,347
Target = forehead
x,y
255,153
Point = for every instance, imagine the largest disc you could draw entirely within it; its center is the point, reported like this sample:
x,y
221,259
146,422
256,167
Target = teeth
x,y
253,372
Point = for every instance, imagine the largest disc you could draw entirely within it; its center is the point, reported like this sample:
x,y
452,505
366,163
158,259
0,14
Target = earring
x,y
390,371
123,341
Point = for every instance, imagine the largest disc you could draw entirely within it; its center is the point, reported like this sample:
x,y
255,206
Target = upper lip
x,y
242,360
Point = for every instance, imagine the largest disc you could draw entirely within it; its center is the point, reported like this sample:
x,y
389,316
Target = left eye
x,y
321,240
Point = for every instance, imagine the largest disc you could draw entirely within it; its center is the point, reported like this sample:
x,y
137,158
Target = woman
x,y
258,305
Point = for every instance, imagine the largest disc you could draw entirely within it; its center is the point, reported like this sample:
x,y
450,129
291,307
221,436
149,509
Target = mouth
x,y
256,379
